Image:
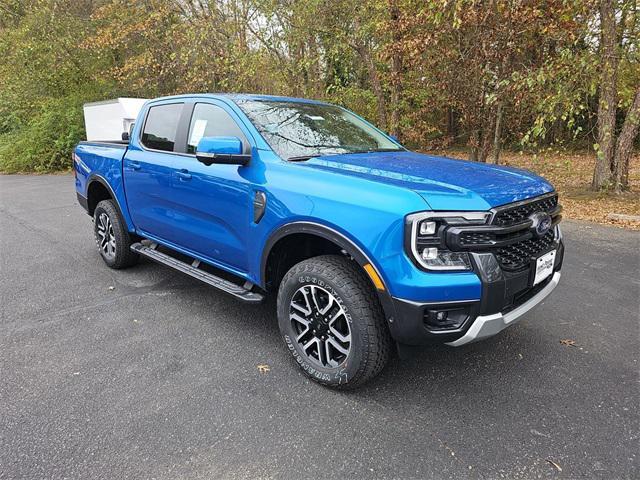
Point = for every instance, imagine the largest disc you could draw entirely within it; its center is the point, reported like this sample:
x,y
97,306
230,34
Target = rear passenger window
x,y
212,121
160,128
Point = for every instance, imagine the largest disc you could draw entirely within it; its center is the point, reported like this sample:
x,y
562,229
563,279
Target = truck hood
x,y
444,183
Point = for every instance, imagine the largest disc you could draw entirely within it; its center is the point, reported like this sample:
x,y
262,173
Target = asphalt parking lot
x,y
145,373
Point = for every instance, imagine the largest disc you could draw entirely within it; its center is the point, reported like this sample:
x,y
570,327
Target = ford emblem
x,y
541,223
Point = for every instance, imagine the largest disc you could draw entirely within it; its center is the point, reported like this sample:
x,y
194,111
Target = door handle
x,y
183,174
135,165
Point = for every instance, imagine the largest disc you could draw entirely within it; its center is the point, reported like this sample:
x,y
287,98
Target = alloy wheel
x,y
321,326
106,238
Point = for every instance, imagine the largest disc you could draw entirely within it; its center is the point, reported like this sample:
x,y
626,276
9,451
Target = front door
x,y
213,204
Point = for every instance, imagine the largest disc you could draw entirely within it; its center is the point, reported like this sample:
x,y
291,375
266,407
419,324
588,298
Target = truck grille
x,y
509,236
505,217
469,239
518,255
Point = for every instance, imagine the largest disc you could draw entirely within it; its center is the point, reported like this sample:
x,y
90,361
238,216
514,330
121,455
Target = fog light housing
x,y
445,319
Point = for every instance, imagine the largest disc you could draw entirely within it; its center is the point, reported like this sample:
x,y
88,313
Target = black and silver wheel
x,y
321,326
112,238
332,322
105,237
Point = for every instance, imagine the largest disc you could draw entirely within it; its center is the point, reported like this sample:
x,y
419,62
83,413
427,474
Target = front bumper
x,y
506,296
488,325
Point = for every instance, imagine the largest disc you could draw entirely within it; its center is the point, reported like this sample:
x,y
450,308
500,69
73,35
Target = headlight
x,y
425,239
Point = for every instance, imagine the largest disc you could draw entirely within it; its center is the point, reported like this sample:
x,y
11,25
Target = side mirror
x,y
394,138
224,150
125,136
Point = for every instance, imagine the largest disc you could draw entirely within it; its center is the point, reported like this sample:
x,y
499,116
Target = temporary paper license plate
x,y
544,266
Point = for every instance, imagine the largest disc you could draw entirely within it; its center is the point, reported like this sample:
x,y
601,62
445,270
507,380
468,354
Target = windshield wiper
x,y
374,150
302,158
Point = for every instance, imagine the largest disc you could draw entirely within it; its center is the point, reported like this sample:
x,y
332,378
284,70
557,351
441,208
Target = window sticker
x,y
198,131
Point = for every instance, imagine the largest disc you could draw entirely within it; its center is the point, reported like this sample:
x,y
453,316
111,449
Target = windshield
x,y
297,130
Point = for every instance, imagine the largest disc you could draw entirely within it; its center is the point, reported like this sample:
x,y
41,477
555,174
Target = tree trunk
x,y
396,67
451,125
315,70
487,135
474,141
624,145
608,96
365,54
497,136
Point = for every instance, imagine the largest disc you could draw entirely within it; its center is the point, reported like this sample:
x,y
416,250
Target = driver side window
x,y
212,121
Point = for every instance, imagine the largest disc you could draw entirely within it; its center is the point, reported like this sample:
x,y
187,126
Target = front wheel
x,y
332,322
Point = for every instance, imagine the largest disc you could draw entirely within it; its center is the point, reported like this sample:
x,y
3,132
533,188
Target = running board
x,y
238,291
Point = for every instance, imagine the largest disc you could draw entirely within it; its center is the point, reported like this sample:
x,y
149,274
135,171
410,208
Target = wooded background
x,y
483,75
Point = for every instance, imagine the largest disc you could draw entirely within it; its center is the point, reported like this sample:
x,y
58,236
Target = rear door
x,y
148,169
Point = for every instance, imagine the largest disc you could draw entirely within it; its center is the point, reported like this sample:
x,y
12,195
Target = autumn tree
x,y
472,55
460,72
618,38
44,80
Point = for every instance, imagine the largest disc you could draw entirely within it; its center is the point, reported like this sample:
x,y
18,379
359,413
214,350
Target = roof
x,y
239,97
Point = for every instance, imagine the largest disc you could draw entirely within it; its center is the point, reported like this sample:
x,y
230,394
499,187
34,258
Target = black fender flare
x,y
346,244
94,177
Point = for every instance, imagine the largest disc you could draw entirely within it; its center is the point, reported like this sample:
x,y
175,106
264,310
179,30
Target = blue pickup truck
x,y
365,245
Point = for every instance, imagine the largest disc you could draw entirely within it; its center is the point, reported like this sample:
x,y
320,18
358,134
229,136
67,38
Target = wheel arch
x,y
342,243
98,189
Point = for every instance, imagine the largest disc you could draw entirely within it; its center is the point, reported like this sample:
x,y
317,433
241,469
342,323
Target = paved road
x,y
145,373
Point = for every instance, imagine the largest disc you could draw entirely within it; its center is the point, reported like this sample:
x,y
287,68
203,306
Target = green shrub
x,y
44,142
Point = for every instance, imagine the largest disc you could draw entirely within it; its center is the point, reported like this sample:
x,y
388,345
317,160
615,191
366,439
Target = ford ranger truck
x,y
365,245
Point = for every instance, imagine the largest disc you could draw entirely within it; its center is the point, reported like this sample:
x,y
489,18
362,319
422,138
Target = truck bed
x,y
104,160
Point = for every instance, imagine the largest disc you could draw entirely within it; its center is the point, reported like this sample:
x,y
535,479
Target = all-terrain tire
x,y
112,238
354,303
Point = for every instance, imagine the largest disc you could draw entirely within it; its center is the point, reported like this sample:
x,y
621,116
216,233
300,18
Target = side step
x,y
192,270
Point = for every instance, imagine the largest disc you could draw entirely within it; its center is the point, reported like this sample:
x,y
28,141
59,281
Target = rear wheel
x,y
332,322
112,238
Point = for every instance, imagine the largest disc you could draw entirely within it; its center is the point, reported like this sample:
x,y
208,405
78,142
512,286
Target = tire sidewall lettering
x,y
304,364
